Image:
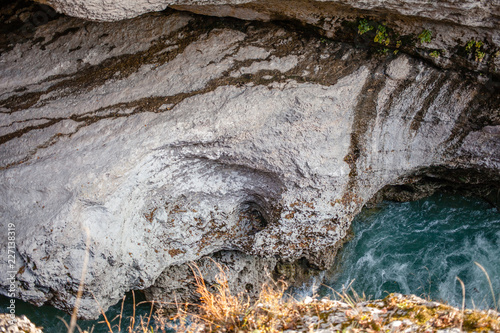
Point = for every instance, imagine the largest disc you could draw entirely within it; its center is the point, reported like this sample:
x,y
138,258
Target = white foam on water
x,y
421,247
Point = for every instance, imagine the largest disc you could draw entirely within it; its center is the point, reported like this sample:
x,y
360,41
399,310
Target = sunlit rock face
x,y
452,24
466,12
171,137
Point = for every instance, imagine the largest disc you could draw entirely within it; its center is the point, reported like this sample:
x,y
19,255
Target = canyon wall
x,y
452,23
173,136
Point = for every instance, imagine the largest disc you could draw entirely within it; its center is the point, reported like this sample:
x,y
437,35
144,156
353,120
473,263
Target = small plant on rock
x,y
425,36
480,55
476,47
469,46
382,37
398,45
383,51
435,54
364,27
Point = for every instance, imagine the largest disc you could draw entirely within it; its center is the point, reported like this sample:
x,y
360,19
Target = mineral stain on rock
x,y
173,137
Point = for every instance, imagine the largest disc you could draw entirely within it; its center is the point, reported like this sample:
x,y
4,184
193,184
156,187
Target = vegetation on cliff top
x,y
220,310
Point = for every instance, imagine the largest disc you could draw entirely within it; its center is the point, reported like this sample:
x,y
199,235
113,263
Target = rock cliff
x,y
452,24
173,136
467,12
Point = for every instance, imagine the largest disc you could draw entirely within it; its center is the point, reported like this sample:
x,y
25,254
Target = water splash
x,y
420,248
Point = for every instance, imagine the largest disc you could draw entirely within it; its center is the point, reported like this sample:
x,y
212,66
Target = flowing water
x,y
415,247
420,248
51,319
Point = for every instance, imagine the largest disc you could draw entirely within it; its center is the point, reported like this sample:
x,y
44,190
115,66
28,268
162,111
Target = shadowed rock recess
x,y
173,137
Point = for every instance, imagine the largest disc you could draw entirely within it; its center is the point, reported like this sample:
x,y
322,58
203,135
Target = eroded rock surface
x,y
172,137
460,34
467,12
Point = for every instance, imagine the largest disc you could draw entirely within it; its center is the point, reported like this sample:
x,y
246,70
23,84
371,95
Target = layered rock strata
x,y
452,27
172,137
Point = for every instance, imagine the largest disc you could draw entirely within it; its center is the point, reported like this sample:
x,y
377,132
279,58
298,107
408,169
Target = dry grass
x,y
142,324
221,311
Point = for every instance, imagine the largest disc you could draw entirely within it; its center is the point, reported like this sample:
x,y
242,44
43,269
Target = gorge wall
x,y
453,23
173,136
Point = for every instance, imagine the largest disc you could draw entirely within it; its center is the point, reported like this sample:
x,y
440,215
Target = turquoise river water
x,y
420,248
51,319
415,247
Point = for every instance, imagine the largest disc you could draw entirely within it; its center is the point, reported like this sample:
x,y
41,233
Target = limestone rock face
x,y
172,137
466,12
452,24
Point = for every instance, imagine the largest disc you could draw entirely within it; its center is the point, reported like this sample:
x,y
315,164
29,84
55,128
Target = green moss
x,y
480,321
